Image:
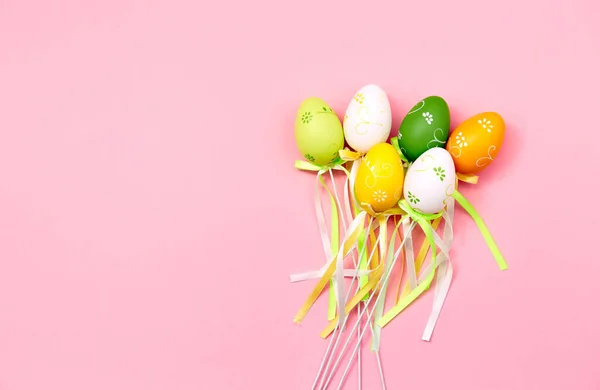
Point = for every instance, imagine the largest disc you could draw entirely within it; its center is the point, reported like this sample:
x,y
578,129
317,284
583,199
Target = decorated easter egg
x,y
475,143
380,178
425,126
430,181
368,119
318,130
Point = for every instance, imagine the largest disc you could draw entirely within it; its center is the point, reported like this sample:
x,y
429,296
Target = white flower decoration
x,y
486,124
428,117
460,140
379,196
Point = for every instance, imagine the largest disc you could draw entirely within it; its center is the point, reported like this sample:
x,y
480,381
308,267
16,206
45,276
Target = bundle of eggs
x,y
435,156
413,176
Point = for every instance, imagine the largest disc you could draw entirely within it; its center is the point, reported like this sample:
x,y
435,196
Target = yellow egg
x,y
380,178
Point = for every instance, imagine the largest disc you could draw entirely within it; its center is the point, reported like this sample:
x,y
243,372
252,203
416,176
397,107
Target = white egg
x,y
430,181
368,119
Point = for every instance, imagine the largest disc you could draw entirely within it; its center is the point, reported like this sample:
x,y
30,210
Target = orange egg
x,y
475,143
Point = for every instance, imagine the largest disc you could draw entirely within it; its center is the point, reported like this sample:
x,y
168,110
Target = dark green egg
x,y
425,126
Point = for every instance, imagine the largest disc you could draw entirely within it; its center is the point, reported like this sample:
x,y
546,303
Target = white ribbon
x,y
348,273
444,276
337,282
350,201
391,259
383,281
356,223
409,254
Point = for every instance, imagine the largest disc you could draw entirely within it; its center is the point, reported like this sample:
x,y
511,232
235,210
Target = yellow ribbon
x,y
472,179
355,157
334,240
348,245
377,272
350,155
423,221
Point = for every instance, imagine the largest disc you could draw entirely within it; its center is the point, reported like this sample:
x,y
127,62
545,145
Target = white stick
x,y
333,336
359,353
343,325
323,360
361,334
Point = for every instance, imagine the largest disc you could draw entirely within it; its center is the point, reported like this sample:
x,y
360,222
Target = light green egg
x,y
319,132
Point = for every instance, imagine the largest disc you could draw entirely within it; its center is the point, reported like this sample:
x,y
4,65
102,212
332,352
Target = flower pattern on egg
x,y
412,198
486,124
306,117
359,98
428,117
379,196
308,157
440,172
460,140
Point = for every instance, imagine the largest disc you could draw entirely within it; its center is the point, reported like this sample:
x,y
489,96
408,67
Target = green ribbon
x,y
482,228
380,304
334,240
363,255
424,222
395,143
335,232
309,166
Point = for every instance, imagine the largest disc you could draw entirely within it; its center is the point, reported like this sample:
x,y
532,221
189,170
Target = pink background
x,y
127,262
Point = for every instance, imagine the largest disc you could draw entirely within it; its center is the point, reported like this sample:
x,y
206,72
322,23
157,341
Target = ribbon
x,y
318,274
360,334
472,179
418,262
330,245
411,272
424,285
432,237
350,155
347,245
445,273
482,228
396,144
339,330
355,158
374,276
390,261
